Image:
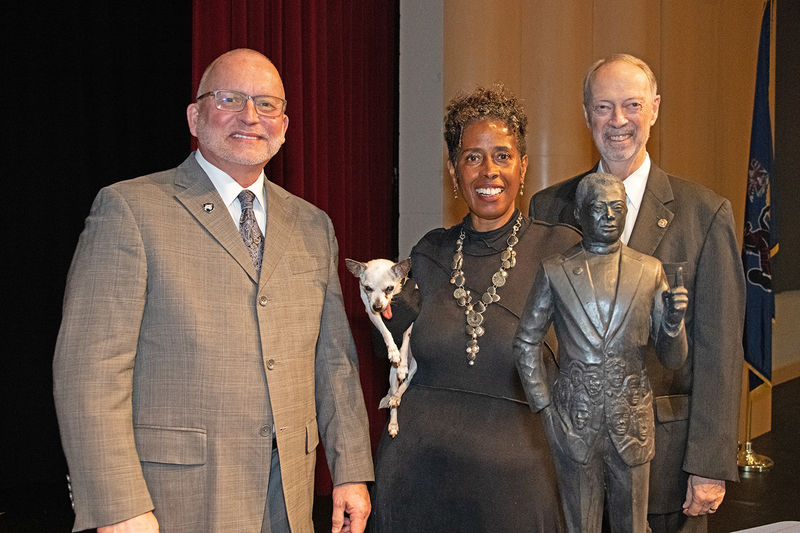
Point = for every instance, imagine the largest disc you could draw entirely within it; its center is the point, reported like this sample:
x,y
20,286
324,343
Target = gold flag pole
x,y
748,460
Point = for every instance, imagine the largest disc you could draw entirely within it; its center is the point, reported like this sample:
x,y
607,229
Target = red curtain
x,y
338,61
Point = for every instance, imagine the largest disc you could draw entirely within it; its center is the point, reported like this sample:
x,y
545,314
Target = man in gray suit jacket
x,y
680,223
194,374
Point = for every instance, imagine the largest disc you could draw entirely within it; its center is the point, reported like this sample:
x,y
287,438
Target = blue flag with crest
x,y
760,241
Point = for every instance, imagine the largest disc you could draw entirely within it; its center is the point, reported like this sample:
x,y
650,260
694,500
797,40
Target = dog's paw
x,y
385,401
394,354
393,429
394,401
402,372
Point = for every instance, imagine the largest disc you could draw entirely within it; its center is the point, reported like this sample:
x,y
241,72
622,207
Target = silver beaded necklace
x,y
474,311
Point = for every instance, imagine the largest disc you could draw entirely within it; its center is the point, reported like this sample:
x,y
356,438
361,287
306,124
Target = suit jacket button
x,y
270,364
265,431
262,300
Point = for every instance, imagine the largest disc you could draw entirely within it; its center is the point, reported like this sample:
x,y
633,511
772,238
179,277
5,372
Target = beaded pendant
x,y
474,310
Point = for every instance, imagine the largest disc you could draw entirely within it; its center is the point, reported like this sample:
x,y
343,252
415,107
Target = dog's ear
x,y
355,267
402,268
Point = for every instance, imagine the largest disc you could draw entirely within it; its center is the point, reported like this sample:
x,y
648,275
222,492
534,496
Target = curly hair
x,y
495,103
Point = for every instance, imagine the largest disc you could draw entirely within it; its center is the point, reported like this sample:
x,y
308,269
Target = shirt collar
x,y
226,186
635,183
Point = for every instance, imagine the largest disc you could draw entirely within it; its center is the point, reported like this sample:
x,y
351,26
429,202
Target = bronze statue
x,y
606,302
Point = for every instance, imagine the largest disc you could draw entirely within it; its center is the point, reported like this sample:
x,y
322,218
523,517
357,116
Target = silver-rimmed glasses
x,y
234,101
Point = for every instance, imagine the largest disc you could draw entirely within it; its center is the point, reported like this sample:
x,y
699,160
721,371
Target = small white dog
x,y
379,281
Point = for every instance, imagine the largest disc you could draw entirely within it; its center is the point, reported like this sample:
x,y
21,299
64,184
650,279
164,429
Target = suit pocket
x,y
302,263
171,445
312,436
672,408
173,464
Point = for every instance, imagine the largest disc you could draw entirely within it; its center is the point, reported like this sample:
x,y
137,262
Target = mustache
x,y
611,130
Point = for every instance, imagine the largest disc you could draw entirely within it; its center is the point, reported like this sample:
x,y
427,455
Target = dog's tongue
x,y
387,312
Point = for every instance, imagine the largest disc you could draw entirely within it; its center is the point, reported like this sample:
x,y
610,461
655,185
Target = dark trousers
x,y
276,520
584,487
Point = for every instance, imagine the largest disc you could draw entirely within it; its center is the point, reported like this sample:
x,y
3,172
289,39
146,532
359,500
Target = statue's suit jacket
x,y
697,405
563,294
175,359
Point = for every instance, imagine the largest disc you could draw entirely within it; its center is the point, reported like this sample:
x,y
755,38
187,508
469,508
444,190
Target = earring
x,y
455,191
522,189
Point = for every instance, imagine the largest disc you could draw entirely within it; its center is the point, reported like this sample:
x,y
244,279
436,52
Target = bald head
x,y
236,59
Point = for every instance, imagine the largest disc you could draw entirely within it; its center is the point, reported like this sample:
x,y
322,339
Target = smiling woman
x,y
487,153
489,171
471,455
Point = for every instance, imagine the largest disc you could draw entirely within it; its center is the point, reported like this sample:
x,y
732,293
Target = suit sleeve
x,y
543,207
717,353
341,414
93,366
532,207
529,339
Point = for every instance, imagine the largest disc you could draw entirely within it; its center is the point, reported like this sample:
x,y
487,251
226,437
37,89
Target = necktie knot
x,y
248,227
246,199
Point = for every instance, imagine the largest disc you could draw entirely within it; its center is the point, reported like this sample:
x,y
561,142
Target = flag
x,y
760,241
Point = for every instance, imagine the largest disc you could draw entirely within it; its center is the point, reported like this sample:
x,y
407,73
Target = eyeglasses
x,y
234,101
628,109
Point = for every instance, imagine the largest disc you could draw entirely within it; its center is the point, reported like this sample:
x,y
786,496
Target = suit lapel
x,y
201,199
577,272
567,214
280,225
630,273
654,216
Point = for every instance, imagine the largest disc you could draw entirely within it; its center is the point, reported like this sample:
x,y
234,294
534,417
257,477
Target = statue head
x,y
576,374
615,371
580,410
632,389
643,419
593,380
620,419
600,208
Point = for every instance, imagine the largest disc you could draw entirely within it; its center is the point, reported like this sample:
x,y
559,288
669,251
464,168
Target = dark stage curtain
x,y
338,61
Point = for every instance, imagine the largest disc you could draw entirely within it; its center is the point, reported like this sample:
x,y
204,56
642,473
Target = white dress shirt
x,y
634,191
229,190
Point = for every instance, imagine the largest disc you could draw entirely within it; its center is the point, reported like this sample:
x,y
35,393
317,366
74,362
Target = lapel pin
x,y
208,207
577,271
662,222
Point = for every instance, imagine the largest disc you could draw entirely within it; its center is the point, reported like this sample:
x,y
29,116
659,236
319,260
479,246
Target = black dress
x,y
470,455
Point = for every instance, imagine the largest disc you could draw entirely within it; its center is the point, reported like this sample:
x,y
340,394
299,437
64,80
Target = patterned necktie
x,y
248,227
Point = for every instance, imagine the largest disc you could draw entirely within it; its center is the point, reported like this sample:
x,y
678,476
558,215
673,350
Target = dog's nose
x,y
377,308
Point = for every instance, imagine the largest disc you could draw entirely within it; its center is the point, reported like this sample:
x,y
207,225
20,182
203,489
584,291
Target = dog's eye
x,y
389,289
367,288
